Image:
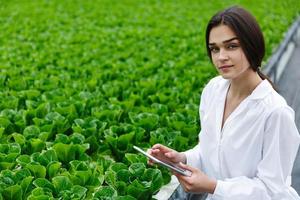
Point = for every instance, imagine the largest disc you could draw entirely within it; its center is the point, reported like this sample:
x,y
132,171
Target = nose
x,y
223,55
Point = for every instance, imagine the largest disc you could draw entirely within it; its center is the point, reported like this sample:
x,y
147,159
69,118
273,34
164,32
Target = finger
x,y
187,167
155,151
181,178
150,161
178,176
170,154
162,148
156,146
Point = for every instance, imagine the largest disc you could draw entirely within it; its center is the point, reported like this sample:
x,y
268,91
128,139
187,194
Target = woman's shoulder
x,y
277,105
273,98
274,102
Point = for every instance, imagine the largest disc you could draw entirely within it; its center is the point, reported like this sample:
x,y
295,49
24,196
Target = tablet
x,y
162,163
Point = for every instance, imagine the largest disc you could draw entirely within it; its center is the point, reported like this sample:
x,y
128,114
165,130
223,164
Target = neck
x,y
243,86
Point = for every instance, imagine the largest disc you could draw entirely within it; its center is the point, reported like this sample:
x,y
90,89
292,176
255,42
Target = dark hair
x,y
247,30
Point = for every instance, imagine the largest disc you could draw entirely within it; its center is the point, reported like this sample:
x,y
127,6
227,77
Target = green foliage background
x,y
83,81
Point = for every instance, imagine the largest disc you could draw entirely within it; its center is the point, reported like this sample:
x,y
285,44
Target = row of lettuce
x,y
46,151
83,82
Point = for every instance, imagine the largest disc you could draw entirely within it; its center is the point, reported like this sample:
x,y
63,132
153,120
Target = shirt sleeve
x,y
272,181
193,157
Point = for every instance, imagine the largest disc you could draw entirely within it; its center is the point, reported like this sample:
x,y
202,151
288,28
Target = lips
x,y
225,66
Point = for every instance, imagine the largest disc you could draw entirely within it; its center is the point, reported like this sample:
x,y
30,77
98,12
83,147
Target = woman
x,y
248,142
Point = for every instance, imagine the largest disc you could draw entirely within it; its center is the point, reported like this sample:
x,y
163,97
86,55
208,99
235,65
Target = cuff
x,y
219,191
192,158
188,155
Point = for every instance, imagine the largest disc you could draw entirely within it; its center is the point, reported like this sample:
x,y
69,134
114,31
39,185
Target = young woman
x,y
249,141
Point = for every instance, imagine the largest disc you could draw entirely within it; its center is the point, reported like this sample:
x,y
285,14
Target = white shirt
x,y
253,155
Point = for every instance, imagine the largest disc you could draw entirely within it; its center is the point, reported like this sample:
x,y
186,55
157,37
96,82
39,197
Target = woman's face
x,y
226,53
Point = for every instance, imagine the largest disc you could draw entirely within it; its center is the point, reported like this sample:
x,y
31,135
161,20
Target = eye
x,y
232,46
214,49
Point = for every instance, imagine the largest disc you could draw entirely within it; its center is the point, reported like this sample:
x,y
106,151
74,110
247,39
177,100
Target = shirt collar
x,y
262,90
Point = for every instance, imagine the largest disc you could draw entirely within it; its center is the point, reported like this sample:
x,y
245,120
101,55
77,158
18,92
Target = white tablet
x,y
168,165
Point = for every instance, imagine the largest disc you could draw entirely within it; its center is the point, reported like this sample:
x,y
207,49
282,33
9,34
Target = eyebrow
x,y
225,41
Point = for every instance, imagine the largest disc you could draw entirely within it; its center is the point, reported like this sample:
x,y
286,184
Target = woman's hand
x,y
198,182
166,154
